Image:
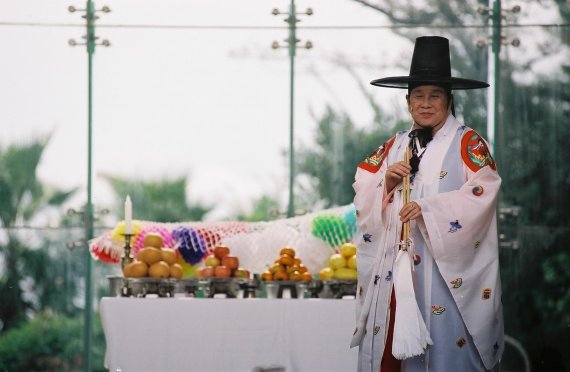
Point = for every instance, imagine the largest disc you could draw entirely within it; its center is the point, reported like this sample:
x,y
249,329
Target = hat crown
x,y
431,65
431,57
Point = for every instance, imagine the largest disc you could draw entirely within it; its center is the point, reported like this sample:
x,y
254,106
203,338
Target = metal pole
x,y
292,46
88,326
497,127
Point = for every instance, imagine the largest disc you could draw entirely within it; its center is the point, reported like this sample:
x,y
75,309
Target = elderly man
x,y
443,312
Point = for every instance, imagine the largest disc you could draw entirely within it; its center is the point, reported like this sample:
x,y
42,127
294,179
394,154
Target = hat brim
x,y
402,82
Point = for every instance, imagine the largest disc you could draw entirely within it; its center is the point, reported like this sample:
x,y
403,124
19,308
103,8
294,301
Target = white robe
x,y
457,282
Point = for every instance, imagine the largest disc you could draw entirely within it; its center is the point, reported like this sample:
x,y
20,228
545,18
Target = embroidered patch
x,y
475,152
461,341
367,238
417,259
374,161
457,282
486,293
389,276
442,174
437,310
477,190
454,226
477,244
376,330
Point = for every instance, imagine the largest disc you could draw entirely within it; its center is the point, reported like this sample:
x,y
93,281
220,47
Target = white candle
x,y
128,215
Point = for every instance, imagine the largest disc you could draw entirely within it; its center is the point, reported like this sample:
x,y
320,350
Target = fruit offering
x,y
287,267
341,265
222,264
154,261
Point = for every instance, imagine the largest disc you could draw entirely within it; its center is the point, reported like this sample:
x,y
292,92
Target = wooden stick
x,y
406,198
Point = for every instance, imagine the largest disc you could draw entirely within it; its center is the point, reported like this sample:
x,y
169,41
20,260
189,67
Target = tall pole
x,y
292,20
88,214
292,46
88,326
497,134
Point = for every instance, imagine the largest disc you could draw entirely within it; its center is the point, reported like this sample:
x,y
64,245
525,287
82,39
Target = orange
x,y
306,276
288,251
295,275
281,275
303,268
276,268
286,260
266,275
297,261
290,269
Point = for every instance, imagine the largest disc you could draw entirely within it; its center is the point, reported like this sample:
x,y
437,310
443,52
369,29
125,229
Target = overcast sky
x,y
209,103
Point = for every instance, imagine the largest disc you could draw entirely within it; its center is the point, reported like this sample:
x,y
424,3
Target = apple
x,y
348,250
212,261
222,271
241,273
205,272
230,261
221,250
336,261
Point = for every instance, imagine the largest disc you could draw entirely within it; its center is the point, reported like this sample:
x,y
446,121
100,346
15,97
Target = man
x,y
454,189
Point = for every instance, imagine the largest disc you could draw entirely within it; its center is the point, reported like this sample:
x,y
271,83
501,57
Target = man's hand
x,y
395,173
410,211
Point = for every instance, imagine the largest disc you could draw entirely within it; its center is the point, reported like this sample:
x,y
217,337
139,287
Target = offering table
x,y
220,334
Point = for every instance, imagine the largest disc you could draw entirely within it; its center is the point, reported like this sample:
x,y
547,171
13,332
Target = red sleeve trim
x,y
374,161
475,153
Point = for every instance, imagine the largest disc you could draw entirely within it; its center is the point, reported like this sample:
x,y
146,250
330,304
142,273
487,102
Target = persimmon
x,y
286,260
281,275
266,275
288,251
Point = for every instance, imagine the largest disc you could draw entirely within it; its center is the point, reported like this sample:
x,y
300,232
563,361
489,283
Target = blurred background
x,y
188,106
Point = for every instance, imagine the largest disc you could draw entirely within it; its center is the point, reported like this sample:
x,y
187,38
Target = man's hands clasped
x,y
394,175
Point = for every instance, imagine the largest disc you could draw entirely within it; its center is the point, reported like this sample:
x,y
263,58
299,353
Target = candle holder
x,y
127,257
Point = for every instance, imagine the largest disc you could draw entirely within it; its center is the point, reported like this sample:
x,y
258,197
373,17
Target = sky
x,y
172,99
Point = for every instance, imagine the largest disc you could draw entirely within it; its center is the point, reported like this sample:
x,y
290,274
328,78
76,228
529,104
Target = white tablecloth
x,y
218,335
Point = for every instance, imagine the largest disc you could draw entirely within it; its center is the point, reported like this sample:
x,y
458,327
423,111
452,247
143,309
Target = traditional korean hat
x,y
430,66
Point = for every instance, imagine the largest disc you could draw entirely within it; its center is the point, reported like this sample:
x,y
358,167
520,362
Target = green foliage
x,y
340,147
48,343
160,201
22,197
265,208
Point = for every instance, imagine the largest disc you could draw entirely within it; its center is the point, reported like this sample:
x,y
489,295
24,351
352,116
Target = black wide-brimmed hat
x,y
430,66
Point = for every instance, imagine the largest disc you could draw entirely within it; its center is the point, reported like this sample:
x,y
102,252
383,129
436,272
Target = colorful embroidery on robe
x,y
437,310
477,190
374,161
475,152
456,283
454,226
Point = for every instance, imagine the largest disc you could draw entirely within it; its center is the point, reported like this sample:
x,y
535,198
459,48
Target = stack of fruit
x,y
287,267
154,260
341,265
222,264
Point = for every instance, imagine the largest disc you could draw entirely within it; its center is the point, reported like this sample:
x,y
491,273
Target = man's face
x,y
429,105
